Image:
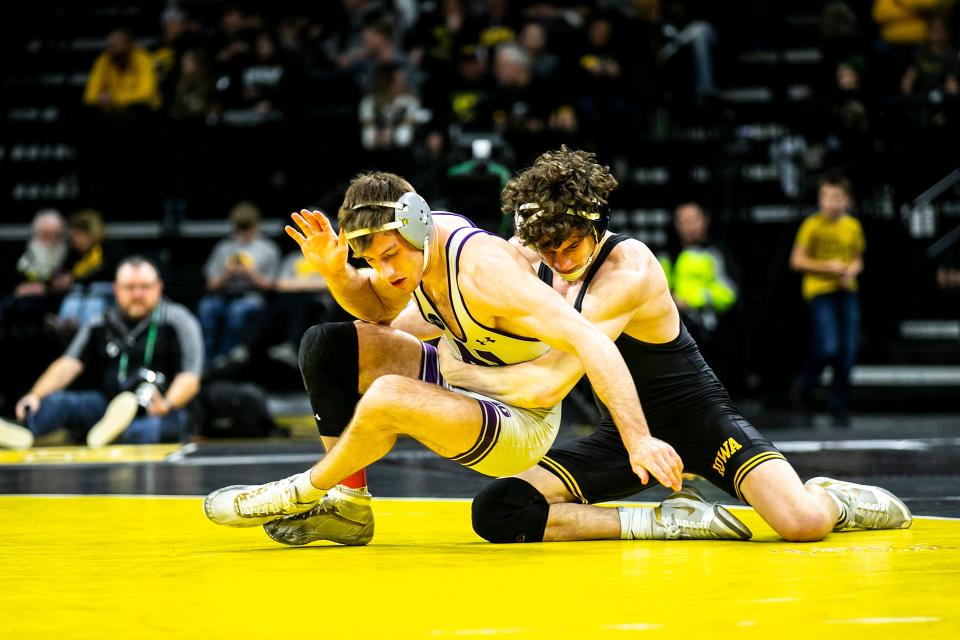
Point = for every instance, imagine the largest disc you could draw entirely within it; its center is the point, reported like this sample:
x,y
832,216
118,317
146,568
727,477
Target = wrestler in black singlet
x,y
685,405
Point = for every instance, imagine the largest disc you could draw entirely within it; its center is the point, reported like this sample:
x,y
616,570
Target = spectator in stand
x,y
193,97
302,300
544,65
829,252
435,38
684,31
178,34
699,277
239,270
147,355
905,22
388,114
497,24
90,262
935,67
464,103
903,29
122,77
121,95
343,23
840,121
379,45
265,82
601,76
37,293
232,47
519,105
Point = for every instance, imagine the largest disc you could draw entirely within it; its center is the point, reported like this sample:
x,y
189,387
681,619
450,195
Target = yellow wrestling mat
x,y
114,453
119,567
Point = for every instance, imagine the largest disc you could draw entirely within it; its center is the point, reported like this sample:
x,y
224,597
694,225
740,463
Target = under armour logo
x,y
486,340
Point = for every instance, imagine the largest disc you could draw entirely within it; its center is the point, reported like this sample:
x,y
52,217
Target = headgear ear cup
x,y
412,219
414,211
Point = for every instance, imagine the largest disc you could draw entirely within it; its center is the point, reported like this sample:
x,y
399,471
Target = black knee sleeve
x,y
330,365
510,510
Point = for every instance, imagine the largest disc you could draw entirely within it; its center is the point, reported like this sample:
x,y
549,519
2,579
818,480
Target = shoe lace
x,y
677,526
269,499
324,506
867,513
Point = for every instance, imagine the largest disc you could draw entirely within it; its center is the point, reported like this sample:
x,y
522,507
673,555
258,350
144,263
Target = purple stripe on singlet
x,y
430,365
489,434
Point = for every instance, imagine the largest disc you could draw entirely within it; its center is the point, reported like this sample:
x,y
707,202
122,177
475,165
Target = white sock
x,y
841,507
636,523
305,488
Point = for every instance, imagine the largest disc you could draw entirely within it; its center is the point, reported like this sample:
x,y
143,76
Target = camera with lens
x,y
145,383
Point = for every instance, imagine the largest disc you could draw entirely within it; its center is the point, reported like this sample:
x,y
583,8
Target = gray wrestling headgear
x,y
412,219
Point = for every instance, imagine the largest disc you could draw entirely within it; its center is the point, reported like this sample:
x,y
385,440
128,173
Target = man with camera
x,y
146,356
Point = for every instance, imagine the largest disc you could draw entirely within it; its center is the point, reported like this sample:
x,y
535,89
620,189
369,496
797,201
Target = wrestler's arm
x,y
530,307
360,291
547,380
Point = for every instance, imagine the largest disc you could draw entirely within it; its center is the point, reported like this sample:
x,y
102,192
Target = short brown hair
x,y
839,182
245,214
377,186
557,181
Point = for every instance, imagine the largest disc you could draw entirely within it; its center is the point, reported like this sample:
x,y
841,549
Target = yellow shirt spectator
x,y
117,86
904,22
824,239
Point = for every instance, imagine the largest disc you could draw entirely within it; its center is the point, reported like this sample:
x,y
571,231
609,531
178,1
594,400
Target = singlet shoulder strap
x,y
457,306
545,274
605,250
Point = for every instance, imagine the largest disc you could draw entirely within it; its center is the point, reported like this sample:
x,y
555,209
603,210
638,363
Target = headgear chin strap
x,y
412,219
573,276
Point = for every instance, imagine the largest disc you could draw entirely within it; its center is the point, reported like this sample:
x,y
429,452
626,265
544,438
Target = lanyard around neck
x,y
147,351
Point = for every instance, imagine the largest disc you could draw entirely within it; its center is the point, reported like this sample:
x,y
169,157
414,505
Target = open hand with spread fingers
x,y
326,250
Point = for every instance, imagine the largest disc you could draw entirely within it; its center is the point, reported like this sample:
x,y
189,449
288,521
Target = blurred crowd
x,y
479,88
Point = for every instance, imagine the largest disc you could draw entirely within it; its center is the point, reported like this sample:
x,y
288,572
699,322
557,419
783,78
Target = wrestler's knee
x,y
510,510
807,523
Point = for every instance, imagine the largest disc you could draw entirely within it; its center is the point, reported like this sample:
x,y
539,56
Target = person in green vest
x,y
699,280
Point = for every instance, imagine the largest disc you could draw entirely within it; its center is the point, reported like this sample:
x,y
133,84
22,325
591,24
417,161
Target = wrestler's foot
x,y
685,515
865,506
344,515
252,505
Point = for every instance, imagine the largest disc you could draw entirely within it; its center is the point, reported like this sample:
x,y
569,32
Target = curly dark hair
x,y
376,186
558,180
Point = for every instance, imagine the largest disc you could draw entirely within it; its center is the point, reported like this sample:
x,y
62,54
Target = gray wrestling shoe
x,y
867,507
343,516
243,505
686,515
